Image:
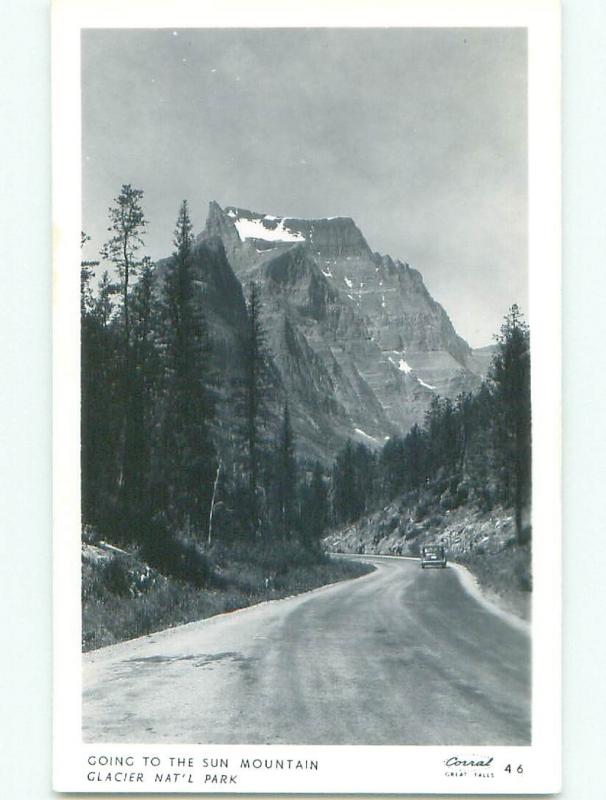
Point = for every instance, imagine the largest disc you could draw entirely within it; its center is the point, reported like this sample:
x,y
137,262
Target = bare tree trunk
x,y
212,503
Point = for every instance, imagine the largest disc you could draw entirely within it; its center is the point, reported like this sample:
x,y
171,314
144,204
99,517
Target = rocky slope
x,y
484,541
358,339
359,346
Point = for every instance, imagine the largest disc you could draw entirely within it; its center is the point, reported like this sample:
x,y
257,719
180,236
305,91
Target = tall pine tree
x,y
101,396
510,378
127,227
144,389
287,477
256,372
315,510
189,456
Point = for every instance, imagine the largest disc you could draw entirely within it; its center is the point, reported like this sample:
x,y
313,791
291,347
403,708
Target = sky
x,y
419,135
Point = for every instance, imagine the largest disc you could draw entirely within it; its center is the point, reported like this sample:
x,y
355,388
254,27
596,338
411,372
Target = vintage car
x,y
433,555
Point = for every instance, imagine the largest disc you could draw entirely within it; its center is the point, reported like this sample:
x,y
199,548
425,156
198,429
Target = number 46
x,y
519,770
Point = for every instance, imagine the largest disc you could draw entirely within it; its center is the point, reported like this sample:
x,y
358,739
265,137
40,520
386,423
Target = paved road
x,y
400,656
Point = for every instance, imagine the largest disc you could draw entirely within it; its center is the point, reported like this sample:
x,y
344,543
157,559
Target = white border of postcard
x,y
372,770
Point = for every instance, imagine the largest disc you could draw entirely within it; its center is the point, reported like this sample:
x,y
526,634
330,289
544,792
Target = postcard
x,y
306,397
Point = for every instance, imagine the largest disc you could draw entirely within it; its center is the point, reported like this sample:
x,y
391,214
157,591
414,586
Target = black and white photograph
x,y
306,442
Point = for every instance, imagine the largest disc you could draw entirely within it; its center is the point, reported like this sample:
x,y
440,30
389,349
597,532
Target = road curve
x,y
401,656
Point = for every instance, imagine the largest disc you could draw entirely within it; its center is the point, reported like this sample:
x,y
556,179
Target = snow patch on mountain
x,y
403,366
365,435
256,229
426,385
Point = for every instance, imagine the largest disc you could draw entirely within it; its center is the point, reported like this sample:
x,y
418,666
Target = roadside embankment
x,y
123,597
482,541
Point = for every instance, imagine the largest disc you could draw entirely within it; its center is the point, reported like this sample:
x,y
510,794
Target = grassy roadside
x,y
504,577
122,598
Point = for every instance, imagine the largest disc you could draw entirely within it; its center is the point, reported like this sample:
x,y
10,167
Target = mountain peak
x,y
330,237
264,227
371,344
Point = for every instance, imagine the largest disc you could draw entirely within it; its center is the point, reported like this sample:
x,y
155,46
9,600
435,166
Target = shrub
x,y
461,493
414,548
172,602
413,531
89,534
408,500
441,484
486,498
435,521
421,510
93,584
177,556
447,501
279,556
116,577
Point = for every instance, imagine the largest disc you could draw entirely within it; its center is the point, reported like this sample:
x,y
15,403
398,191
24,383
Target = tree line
x,y
155,473
476,447
158,472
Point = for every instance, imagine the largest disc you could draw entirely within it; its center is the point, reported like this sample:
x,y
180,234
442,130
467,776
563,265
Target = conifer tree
x,y
255,401
354,478
127,226
344,479
392,467
465,425
189,456
510,378
315,517
87,273
100,389
103,304
145,365
287,476
415,457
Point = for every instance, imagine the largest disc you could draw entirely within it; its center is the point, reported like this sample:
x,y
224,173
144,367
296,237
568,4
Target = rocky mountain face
x,y
221,297
359,344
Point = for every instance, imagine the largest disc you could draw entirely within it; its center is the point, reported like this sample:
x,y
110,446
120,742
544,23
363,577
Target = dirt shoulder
x,y
497,575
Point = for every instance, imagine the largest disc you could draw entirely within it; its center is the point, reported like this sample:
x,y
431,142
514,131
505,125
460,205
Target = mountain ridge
x,y
358,341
